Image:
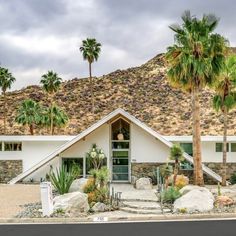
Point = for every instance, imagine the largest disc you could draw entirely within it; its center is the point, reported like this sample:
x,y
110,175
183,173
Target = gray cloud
x,y
40,35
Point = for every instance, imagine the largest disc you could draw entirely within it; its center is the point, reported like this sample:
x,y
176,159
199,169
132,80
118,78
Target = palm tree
x,y
6,81
90,50
59,117
194,61
225,100
29,113
176,154
51,84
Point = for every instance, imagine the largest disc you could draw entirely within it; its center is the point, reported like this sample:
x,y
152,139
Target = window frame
x,y
221,149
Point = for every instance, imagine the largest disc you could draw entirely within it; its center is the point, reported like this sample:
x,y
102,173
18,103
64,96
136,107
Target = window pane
x,y
120,154
0,146
120,145
233,147
12,146
187,147
69,162
219,147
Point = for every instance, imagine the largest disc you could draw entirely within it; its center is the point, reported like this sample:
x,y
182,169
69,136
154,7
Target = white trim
x,y
105,119
32,138
203,138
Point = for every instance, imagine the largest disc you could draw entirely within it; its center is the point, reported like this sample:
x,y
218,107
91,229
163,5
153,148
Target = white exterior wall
x,y
32,152
146,148
210,155
100,137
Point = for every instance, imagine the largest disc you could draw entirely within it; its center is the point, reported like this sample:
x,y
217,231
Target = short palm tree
x,y
29,113
6,81
90,50
176,154
225,100
51,83
194,61
59,117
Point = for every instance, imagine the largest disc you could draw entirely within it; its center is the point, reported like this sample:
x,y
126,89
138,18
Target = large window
x,y
187,147
69,162
120,145
233,147
12,146
219,147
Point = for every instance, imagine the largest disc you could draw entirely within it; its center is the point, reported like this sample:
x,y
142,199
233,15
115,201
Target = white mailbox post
x,y
46,198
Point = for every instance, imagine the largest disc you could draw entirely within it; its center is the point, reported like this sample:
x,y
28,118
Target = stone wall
x,y
9,169
139,170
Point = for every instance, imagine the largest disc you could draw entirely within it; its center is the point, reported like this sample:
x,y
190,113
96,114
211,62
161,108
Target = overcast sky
x,y
41,35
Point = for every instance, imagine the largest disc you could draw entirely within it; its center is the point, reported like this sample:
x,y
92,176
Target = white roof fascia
x,y
32,138
203,138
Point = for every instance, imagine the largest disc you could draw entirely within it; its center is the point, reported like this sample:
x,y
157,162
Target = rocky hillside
x,y
143,91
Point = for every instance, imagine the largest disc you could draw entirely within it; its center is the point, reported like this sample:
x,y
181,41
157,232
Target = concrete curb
x,y
138,218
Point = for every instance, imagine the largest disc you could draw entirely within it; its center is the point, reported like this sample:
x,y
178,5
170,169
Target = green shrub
x,y
170,194
233,178
62,179
90,186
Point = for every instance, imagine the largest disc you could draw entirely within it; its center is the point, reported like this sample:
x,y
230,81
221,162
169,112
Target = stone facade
x,y
10,169
139,170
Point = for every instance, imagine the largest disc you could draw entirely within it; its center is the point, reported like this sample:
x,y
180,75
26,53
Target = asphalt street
x,y
182,228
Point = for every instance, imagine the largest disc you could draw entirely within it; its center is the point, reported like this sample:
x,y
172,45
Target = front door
x,y
120,151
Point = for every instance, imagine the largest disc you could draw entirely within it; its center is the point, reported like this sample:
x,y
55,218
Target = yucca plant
x,y
62,178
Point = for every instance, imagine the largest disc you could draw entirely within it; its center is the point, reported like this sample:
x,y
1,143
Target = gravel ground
x,y
12,197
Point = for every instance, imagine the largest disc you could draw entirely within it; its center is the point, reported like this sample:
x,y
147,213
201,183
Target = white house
x,y
132,150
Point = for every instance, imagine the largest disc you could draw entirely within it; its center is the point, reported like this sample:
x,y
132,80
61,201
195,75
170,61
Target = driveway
x,y
12,196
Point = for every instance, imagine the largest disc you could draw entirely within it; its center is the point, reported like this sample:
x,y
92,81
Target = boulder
x,y
99,207
196,200
75,202
224,201
78,185
143,184
189,188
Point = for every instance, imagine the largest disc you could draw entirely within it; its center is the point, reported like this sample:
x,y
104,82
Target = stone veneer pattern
x,y
139,170
9,169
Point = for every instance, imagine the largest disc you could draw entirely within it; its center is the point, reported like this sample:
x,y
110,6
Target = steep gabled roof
x,y
105,119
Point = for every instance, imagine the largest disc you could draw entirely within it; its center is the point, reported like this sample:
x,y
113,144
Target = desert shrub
x,y
96,187
96,156
233,178
90,186
181,181
62,178
170,194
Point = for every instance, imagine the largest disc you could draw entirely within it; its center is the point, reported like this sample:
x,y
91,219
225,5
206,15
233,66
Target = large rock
x,y
223,201
75,202
189,188
196,200
99,207
143,184
78,185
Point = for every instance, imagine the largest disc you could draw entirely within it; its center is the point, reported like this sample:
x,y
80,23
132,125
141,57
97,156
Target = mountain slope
x,y
143,91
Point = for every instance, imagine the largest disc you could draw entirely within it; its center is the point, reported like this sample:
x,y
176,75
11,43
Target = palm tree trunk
x,y
91,86
224,169
197,156
4,113
31,127
51,115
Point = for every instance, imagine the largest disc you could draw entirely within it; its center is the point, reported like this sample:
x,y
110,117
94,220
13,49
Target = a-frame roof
x,y
105,119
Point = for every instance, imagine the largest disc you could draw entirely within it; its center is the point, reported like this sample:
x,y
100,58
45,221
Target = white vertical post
x,y
46,198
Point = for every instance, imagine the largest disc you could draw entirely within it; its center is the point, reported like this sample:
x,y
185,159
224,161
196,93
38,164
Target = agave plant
x,y
62,178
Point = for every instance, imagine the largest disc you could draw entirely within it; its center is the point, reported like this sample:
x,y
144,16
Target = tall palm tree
x,y
29,113
6,81
194,61
60,118
51,84
225,100
90,50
